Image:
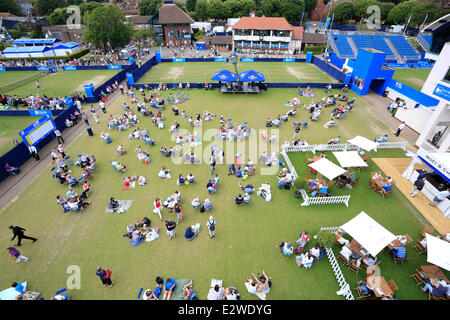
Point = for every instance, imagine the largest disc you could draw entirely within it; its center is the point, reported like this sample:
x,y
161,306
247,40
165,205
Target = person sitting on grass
x,y
238,172
249,189
207,204
215,293
190,178
149,295
113,205
247,198
121,149
196,202
169,287
188,292
231,293
306,260
239,199
71,194
329,123
382,138
164,173
315,251
286,248
303,240
190,233
181,180
231,170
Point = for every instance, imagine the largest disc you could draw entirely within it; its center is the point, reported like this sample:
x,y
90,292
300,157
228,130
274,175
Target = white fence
x,y
289,164
323,200
344,286
341,147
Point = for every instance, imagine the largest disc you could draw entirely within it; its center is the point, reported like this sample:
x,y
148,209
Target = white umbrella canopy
x,y
438,252
364,143
349,159
327,168
369,233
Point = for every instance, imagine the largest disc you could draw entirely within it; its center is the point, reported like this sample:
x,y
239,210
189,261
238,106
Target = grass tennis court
x,y
56,84
9,131
414,78
201,72
247,237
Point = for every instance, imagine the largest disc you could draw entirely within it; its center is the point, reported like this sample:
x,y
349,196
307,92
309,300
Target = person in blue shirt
x,y
169,287
364,289
399,252
190,234
159,286
238,172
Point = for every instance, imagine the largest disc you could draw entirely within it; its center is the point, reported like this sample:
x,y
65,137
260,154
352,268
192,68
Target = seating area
x,y
403,47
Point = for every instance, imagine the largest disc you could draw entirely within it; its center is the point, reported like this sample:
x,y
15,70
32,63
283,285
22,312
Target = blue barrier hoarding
x,y
2,69
288,59
442,91
40,68
115,67
220,59
413,94
130,78
178,60
40,113
70,68
247,59
38,130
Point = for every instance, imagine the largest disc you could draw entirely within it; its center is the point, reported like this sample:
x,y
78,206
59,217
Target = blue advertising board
x,y
41,68
247,59
115,67
178,60
2,69
68,101
442,91
187,36
413,94
37,131
70,68
40,113
288,59
220,59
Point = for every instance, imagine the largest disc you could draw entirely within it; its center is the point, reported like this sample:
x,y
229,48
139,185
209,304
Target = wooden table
x,y
356,248
433,272
393,244
314,159
375,282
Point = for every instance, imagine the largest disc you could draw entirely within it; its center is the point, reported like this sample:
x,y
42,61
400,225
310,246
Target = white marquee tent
x,y
349,159
438,252
364,143
327,168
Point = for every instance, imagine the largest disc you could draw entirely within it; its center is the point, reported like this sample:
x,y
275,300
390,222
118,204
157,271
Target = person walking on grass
x,y
15,254
400,128
34,152
103,106
157,207
211,224
212,162
18,232
105,276
418,186
170,227
58,136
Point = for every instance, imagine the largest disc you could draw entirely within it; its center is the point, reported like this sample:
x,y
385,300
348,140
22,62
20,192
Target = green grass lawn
x,y
201,72
247,237
414,78
9,131
56,84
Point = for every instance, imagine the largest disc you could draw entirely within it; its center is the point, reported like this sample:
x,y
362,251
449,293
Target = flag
x,y
332,19
425,19
409,19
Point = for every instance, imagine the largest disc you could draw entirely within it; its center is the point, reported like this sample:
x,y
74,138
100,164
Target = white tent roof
x,y
438,252
369,233
364,143
327,168
349,159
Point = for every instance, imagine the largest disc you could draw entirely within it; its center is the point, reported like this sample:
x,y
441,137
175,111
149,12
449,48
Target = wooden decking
x,y
394,167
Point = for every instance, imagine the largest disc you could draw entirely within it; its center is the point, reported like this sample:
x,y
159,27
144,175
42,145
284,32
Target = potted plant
x,y
326,238
299,183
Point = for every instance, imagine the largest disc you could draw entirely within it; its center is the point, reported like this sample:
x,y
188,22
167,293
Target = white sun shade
x,y
327,168
438,252
369,233
349,159
364,143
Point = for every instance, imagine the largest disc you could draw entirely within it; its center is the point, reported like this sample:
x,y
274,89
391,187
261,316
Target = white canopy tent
x,y
327,168
438,252
369,233
349,159
364,143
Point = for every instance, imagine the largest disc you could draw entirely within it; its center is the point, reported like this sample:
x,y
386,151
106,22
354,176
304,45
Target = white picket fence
x,y
289,164
323,200
341,147
343,285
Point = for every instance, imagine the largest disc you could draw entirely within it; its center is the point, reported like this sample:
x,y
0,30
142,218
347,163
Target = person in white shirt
x,y
102,106
440,197
34,152
315,251
149,295
215,293
400,128
58,136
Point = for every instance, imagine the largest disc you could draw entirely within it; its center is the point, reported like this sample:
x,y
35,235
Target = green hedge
x,y
314,49
75,55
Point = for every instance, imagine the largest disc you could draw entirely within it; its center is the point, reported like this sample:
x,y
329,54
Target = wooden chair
x,y
308,159
427,229
353,267
416,276
360,294
420,248
343,259
405,259
354,182
330,183
432,297
375,265
408,239
392,285
308,177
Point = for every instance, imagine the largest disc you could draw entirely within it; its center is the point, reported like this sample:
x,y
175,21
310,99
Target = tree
x,y
215,9
88,7
310,5
16,34
246,7
181,6
46,7
343,12
361,8
144,34
233,8
385,7
201,10
401,12
190,5
107,24
58,16
149,7
74,2
421,10
292,10
271,8
10,6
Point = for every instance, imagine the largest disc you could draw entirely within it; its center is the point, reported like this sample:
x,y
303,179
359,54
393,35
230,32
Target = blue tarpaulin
x,y
251,75
224,75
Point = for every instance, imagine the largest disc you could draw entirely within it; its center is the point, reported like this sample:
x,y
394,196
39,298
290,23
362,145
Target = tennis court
x,y
9,131
203,71
23,83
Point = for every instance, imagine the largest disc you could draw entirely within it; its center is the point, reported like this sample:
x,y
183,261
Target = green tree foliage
x,y
16,34
201,10
343,12
149,7
271,8
310,5
46,7
292,10
58,16
74,2
401,12
361,8
215,9
144,34
385,7
107,24
246,7
181,6
88,7
420,11
190,5
233,8
10,6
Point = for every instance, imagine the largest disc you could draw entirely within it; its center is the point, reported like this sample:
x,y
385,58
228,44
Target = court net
x,y
10,87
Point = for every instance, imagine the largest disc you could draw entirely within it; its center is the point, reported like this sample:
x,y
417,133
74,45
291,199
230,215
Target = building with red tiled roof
x,y
266,34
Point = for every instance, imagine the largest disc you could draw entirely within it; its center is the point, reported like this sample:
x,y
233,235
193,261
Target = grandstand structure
x,y
396,47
